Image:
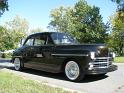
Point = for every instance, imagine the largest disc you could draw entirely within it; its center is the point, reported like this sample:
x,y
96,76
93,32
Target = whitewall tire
x,y
17,64
73,71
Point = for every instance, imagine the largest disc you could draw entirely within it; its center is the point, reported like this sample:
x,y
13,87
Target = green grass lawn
x,y
119,59
10,83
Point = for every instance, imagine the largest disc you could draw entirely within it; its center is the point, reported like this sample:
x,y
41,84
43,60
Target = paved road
x,y
5,63
111,83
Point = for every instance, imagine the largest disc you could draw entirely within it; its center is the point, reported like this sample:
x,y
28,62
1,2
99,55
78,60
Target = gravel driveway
x,y
112,82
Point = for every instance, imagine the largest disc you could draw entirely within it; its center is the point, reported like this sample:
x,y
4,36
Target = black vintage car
x,y
58,52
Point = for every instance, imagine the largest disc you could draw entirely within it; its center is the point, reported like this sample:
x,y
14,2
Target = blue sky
x,y
37,12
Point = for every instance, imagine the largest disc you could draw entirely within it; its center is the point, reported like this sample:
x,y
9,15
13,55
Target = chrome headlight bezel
x,y
113,54
92,55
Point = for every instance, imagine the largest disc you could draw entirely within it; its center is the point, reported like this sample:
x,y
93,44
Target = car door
x,y
27,52
43,59
34,58
49,63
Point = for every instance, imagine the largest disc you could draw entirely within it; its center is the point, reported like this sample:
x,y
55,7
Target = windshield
x,y
62,38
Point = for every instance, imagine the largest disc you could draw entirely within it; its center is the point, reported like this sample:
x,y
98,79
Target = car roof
x,y
42,33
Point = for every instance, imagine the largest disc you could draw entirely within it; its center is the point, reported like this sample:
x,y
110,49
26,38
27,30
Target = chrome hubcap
x,y
17,63
72,70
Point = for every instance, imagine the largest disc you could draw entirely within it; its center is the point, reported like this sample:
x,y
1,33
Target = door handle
x,y
31,48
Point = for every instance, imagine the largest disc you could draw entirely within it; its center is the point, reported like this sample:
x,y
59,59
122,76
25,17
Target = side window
x,y
29,42
40,40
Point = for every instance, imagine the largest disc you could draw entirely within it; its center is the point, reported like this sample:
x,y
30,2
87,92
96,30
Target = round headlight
x,y
113,55
92,55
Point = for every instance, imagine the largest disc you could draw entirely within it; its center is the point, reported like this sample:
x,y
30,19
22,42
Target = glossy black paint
x,y
52,57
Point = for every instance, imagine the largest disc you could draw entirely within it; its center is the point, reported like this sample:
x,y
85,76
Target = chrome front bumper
x,y
101,65
102,70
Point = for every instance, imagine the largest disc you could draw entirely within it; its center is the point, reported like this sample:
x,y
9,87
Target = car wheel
x,y
17,64
73,71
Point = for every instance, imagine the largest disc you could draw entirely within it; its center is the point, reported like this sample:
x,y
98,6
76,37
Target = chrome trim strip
x,y
18,56
39,55
99,67
99,62
102,57
69,54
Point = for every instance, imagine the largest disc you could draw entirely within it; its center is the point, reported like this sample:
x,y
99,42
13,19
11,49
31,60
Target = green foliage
x,y
120,6
12,33
89,23
7,55
61,18
18,28
118,1
116,38
37,30
3,6
18,24
82,21
5,39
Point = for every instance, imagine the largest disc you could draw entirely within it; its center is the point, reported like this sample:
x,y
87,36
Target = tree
x,y
3,6
6,41
118,1
120,7
37,30
18,29
120,4
82,21
60,18
18,24
116,38
89,23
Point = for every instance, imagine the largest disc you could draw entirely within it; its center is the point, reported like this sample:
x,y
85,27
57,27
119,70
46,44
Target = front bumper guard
x,y
102,70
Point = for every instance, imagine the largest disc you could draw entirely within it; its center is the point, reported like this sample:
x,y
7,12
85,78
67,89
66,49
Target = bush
x,y
7,55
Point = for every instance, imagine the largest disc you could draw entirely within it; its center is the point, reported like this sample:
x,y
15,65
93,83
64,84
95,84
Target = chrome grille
x,y
102,62
100,65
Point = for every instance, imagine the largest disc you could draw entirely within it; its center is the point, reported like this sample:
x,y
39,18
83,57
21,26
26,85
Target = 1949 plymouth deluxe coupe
x,y
58,52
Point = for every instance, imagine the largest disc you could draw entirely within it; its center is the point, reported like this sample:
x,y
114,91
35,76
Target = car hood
x,y
101,50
